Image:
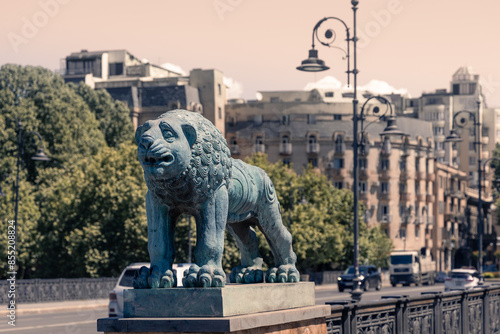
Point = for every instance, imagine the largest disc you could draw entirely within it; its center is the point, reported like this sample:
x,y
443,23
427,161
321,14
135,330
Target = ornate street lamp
x,y
40,156
314,64
461,119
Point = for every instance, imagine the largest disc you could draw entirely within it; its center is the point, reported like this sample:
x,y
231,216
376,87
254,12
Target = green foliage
x,y
82,213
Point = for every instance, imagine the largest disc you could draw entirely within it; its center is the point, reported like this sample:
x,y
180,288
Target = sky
x,y
410,46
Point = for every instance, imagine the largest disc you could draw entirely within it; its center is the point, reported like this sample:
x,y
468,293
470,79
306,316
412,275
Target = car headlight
x,y
339,279
361,277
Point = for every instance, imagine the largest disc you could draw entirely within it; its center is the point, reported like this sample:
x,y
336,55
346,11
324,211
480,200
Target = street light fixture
x,y
40,156
314,64
461,119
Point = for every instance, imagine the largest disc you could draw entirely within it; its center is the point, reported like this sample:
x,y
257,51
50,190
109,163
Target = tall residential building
x,y
315,127
149,90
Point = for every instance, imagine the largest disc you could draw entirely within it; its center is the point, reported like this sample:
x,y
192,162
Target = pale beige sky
x,y
411,44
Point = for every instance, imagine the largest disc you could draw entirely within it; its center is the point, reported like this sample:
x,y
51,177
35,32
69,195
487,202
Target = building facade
x,y
315,128
149,90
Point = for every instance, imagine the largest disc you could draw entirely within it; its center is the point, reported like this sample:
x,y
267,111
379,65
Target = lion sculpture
x,y
188,169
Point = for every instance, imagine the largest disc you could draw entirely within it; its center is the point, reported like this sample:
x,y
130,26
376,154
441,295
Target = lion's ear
x,y
190,134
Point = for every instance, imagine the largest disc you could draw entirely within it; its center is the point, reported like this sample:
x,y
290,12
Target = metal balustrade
x,y
59,289
473,311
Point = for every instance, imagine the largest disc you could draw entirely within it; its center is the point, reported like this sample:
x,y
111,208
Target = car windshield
x,y
401,259
126,280
350,270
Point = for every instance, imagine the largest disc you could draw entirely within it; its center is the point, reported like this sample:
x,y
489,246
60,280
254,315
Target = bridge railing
x,y
58,289
473,311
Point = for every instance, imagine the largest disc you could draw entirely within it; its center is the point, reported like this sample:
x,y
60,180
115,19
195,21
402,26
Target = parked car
x,y
440,277
125,282
461,279
369,275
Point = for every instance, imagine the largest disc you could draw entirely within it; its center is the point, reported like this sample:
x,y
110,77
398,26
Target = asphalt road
x,y
84,321
74,322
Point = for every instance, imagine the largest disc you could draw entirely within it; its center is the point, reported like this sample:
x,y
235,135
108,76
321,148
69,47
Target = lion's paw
x,y
241,274
205,277
153,278
286,273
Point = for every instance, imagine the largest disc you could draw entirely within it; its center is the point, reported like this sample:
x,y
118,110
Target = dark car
x,y
440,277
369,275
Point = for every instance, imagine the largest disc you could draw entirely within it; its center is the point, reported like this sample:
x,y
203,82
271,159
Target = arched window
x,y
339,144
285,139
259,140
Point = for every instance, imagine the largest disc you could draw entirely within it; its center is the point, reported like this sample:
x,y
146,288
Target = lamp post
x,y
461,119
314,64
39,156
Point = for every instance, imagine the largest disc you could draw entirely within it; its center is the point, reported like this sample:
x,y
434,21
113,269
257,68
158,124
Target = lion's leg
x,y
210,228
160,246
280,242
250,270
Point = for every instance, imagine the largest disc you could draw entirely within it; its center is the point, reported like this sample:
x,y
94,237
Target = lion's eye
x,y
168,134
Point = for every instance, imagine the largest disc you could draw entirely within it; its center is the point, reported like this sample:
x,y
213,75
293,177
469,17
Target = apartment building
x,y
149,90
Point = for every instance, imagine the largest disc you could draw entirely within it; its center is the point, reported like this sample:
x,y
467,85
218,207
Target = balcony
x,y
385,196
339,149
385,174
259,148
313,148
405,197
286,148
235,150
430,198
340,173
421,197
405,175
386,219
420,175
364,173
431,177
363,195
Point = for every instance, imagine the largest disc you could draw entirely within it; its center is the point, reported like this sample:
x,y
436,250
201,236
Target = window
x,y
363,187
339,117
385,210
402,233
220,112
363,163
313,162
472,146
384,187
402,165
384,164
472,161
286,162
259,140
417,165
402,210
328,94
233,141
471,131
115,68
311,119
285,139
285,120
402,188
339,185
219,88
338,163
417,231
339,144
275,99
417,188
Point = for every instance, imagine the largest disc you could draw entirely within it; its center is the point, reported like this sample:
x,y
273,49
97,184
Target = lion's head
x,y
184,156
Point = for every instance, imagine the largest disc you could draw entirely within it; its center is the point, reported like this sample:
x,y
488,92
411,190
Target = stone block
x,y
309,319
234,299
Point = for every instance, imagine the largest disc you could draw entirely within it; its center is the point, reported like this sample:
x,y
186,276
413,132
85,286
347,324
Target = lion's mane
x,y
210,165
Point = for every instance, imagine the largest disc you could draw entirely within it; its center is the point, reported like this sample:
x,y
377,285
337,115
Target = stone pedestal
x,y
242,309
309,320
